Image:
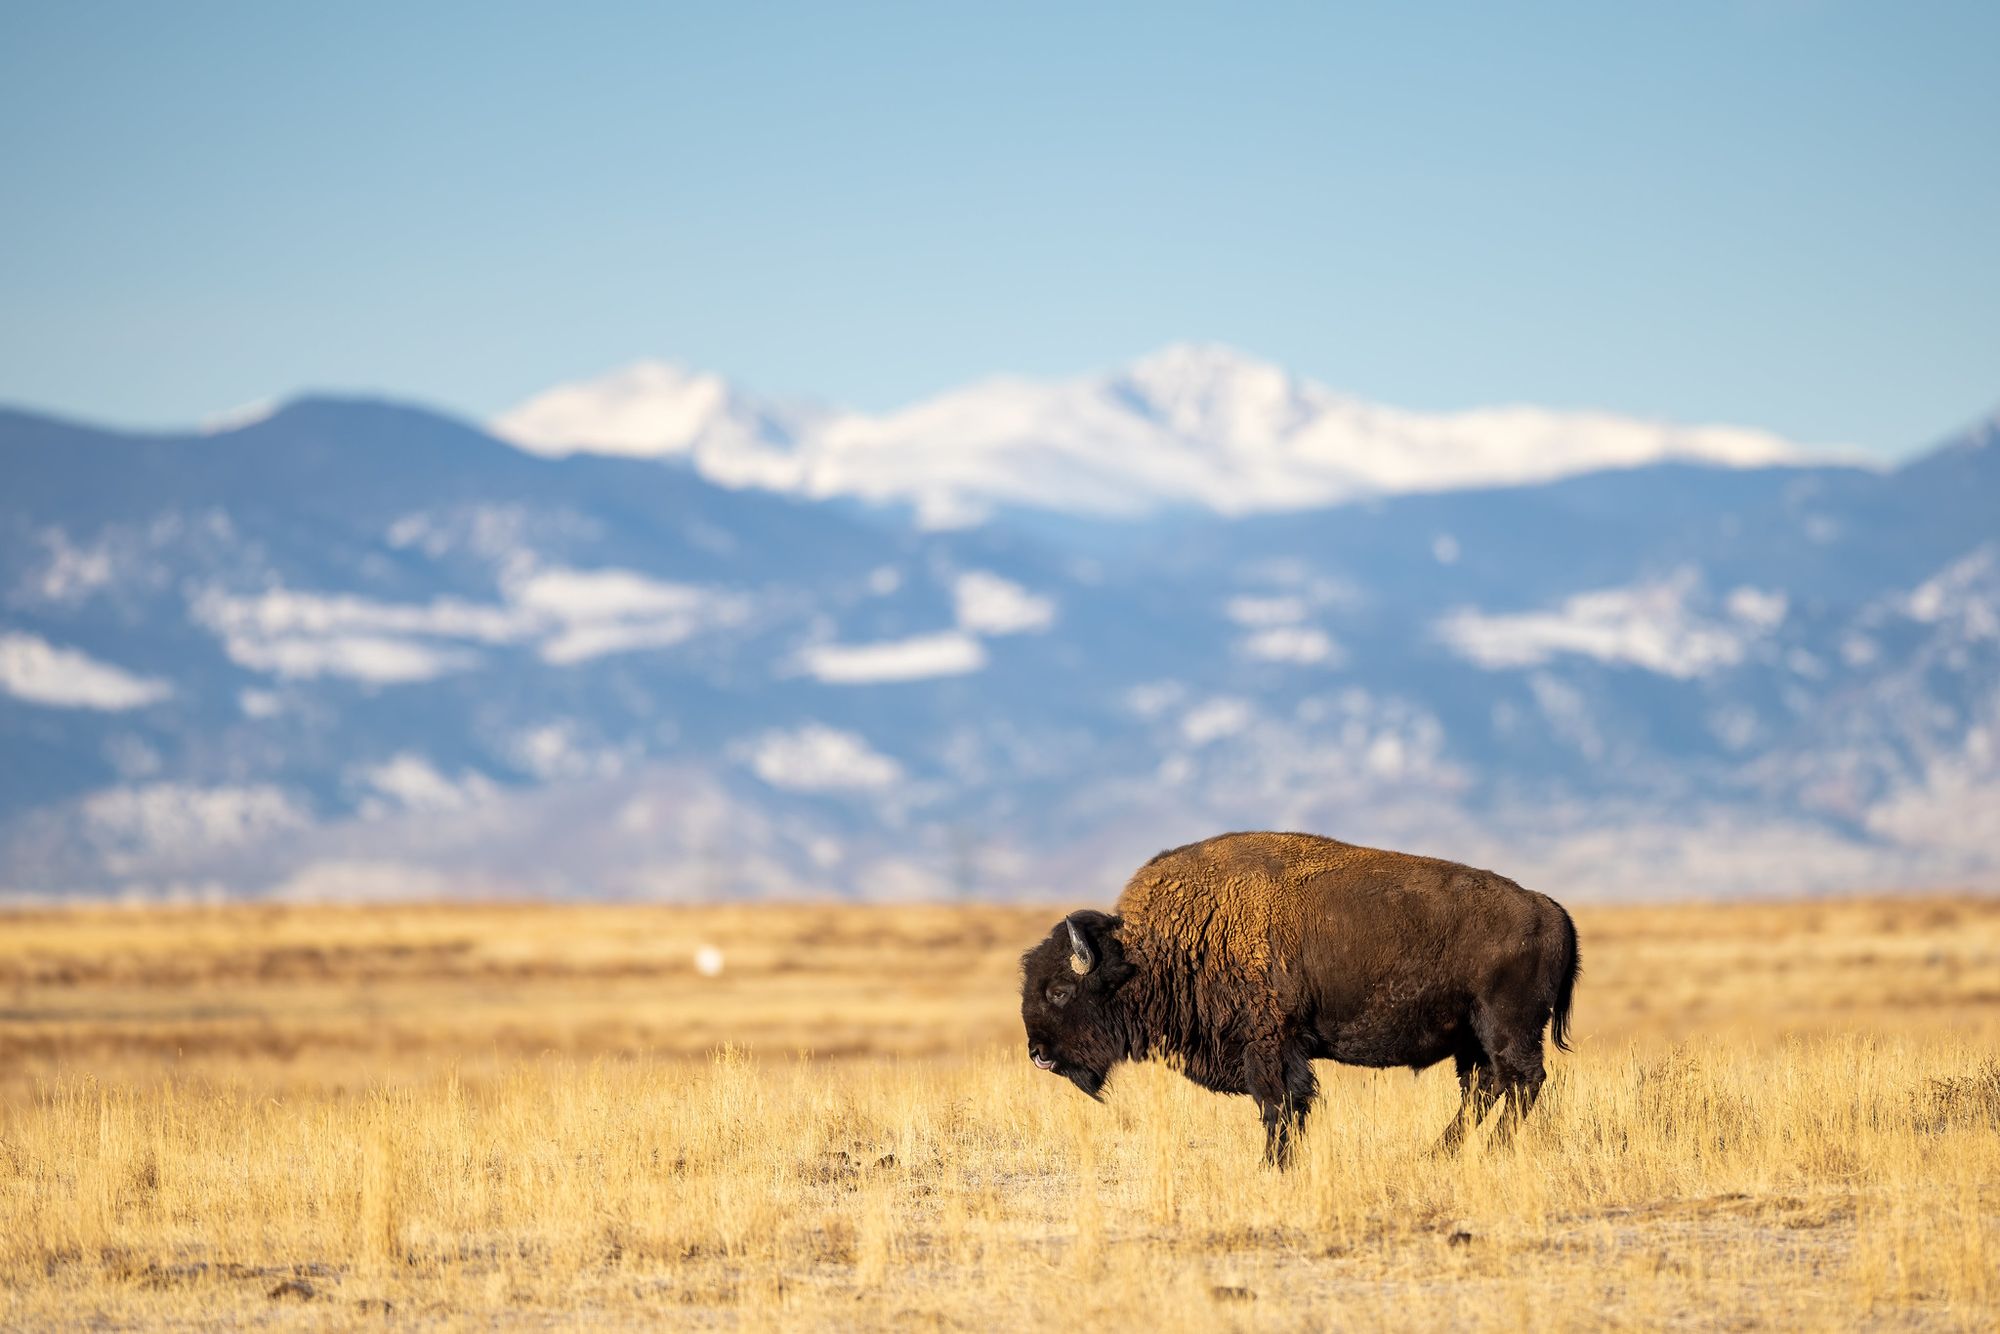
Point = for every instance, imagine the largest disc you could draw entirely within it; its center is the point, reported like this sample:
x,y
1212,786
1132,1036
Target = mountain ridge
x,y
357,644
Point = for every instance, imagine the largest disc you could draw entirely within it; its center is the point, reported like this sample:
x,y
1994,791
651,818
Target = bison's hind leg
x,y
1478,1090
1513,1034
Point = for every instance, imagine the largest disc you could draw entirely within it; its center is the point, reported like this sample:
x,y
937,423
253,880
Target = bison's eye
x,y
1060,992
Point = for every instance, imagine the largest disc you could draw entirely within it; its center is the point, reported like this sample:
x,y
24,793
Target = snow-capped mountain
x,y
352,647
654,409
1195,425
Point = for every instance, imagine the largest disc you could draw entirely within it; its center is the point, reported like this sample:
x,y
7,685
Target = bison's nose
x,y
1041,1062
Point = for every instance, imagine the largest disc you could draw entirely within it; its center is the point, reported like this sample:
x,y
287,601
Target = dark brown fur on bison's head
x,y
1068,985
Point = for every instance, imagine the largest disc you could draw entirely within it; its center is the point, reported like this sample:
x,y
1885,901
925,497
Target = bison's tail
x,y
1572,964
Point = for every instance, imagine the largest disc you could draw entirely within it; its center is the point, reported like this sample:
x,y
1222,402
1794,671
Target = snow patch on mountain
x,y
1152,699
1761,607
499,535
284,613
260,704
817,758
617,611
559,750
571,615
411,782
1964,596
1301,645
951,653
657,409
1645,625
38,672
240,417
1192,425
988,604
1213,719
1254,611
72,573
377,659
301,635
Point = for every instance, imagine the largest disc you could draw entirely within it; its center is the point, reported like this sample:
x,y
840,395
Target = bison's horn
x,y
1081,957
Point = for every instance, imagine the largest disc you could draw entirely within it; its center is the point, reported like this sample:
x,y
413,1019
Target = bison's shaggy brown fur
x,y
1248,956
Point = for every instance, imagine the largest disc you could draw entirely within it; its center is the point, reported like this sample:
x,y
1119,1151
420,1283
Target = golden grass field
x,y
1779,1115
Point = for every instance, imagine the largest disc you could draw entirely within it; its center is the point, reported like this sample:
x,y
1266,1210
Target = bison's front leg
x,y
1282,1082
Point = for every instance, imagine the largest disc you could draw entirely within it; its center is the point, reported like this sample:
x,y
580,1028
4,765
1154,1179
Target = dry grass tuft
x,y
1962,1100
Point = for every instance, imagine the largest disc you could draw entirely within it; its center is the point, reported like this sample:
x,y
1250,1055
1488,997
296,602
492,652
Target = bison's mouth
x,y
1087,1080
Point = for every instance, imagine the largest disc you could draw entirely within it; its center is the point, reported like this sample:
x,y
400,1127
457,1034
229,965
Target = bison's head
x,y
1067,985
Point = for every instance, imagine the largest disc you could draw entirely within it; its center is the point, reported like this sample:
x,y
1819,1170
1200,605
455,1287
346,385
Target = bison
x,y
1248,956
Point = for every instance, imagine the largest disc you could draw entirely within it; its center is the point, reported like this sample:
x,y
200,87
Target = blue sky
x,y
1780,214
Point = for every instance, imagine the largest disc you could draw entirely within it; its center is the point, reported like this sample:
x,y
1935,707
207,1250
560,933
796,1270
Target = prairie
x,y
1778,1114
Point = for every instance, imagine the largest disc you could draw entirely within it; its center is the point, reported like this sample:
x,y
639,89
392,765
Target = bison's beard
x,y
1090,1081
